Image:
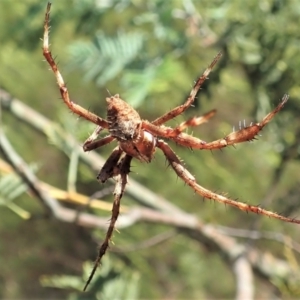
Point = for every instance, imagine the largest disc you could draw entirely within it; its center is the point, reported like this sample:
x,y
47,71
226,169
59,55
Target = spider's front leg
x,y
120,170
189,179
243,135
75,108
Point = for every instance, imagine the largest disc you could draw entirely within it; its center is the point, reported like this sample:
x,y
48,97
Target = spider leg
x,y
243,135
124,169
181,108
77,109
189,179
169,132
94,135
194,121
110,168
94,144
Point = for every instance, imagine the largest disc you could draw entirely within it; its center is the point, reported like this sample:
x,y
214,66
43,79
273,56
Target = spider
x,y
137,138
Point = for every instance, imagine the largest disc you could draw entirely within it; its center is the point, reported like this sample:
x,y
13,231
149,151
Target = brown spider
x,y
139,139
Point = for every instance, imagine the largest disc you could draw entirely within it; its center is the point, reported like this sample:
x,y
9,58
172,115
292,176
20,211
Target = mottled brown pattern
x,y
123,120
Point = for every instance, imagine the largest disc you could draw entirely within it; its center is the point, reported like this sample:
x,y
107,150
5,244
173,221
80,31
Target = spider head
x,y
123,121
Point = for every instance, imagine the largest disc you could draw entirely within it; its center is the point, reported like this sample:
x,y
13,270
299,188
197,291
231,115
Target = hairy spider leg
x,y
181,108
190,180
244,134
194,121
77,109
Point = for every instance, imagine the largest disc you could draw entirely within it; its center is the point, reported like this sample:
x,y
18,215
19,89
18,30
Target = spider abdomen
x,y
124,124
123,120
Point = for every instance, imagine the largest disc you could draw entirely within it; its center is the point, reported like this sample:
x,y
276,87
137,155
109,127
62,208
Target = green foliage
x,y
105,57
150,52
12,187
114,282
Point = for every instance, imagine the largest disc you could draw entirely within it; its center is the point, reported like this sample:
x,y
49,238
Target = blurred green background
x,y
150,52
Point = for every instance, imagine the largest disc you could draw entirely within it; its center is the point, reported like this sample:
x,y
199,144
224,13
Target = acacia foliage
x,y
150,53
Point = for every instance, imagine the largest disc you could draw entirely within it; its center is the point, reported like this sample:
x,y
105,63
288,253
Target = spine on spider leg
x,y
249,133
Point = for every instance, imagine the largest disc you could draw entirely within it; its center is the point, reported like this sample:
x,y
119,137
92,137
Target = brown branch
x,y
71,197
51,205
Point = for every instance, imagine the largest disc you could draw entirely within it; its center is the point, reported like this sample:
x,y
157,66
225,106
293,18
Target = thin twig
x,y
258,235
53,208
155,240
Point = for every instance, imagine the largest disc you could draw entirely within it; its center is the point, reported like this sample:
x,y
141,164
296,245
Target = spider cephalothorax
x,y
139,138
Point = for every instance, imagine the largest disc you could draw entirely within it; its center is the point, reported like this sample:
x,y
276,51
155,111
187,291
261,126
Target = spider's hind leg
x,y
190,180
